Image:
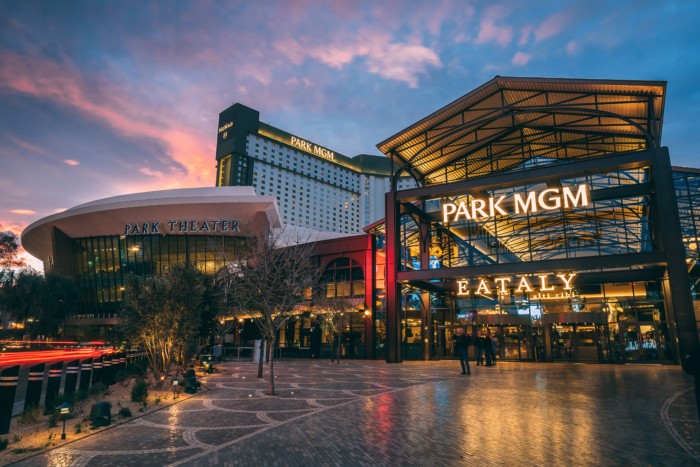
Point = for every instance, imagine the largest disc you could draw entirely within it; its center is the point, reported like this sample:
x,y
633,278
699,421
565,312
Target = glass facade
x,y
100,263
545,219
584,318
687,184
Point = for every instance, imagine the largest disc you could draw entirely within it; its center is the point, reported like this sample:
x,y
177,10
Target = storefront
x,y
546,217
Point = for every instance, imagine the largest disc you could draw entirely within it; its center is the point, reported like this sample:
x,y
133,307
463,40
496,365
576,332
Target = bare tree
x,y
335,314
163,314
268,283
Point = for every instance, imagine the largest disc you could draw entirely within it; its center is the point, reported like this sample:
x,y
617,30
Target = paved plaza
x,y
414,413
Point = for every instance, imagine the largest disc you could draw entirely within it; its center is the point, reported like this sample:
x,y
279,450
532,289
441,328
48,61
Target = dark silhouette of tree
x,y
41,303
8,251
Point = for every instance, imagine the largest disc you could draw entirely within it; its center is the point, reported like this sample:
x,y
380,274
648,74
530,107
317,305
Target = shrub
x,y
98,389
70,398
31,415
16,438
121,375
139,393
3,444
138,368
78,428
81,395
53,419
125,412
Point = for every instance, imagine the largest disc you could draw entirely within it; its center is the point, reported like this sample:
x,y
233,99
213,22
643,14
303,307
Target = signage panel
x,y
182,226
531,202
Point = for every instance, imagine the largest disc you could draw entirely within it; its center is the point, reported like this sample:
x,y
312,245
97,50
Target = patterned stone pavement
x,y
415,413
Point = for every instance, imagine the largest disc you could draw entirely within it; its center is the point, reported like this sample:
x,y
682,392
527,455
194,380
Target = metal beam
x,y
656,258
621,161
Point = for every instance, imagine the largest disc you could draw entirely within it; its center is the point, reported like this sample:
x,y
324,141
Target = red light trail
x,y
49,356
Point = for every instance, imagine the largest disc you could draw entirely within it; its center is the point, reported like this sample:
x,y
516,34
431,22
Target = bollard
x,y
106,370
85,374
35,381
96,371
8,387
53,384
72,370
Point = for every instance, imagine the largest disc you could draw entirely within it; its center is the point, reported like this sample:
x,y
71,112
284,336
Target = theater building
x,y
99,242
548,215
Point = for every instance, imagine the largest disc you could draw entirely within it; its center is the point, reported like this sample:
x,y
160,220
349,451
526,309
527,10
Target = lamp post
x,y
176,384
64,410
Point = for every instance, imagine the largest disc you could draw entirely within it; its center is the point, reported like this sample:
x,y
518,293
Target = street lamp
x,y
64,410
176,384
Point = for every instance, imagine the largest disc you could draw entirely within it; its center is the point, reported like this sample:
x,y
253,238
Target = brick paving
x,y
416,413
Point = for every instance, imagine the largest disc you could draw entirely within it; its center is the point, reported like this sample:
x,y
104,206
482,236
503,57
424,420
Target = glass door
x,y
444,341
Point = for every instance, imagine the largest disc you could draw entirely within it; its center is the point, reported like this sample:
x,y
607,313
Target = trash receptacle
x,y
101,414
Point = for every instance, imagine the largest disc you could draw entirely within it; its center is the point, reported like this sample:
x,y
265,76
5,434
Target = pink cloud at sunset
x,y
115,108
489,31
399,61
71,162
551,26
23,212
521,58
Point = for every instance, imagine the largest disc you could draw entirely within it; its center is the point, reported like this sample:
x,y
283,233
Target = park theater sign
x,y
546,200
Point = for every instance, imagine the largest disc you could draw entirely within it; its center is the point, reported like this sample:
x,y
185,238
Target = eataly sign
x,y
502,285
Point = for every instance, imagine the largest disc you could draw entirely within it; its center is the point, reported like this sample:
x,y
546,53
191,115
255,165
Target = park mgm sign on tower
x,y
538,189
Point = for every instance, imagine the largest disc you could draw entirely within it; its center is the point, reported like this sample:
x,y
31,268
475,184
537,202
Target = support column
x,y
426,322
393,289
370,298
678,302
547,336
425,325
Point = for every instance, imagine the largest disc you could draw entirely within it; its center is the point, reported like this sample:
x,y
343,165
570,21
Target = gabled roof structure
x,y
514,123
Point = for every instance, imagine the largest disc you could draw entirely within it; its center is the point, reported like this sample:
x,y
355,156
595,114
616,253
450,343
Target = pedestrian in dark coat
x,y
488,350
480,342
462,345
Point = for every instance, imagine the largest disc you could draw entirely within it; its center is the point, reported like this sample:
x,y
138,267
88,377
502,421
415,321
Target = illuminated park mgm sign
x,y
532,201
540,287
312,148
182,226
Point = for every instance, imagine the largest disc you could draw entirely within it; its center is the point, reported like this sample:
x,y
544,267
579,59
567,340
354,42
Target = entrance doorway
x,y
444,341
578,342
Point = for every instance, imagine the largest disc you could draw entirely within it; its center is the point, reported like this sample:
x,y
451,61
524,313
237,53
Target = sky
x,y
105,98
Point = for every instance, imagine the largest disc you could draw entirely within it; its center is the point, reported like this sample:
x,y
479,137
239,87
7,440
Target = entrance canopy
x,y
510,124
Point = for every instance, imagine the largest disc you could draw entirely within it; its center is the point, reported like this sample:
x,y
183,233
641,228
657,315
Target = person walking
x,y
479,349
462,344
217,352
488,349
